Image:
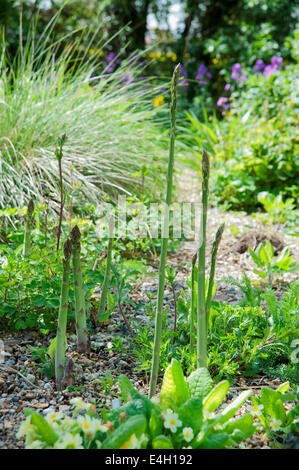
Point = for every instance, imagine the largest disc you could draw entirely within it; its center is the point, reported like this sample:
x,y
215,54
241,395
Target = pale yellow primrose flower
x,y
256,410
172,421
79,403
188,434
25,428
36,445
131,443
69,441
50,417
275,424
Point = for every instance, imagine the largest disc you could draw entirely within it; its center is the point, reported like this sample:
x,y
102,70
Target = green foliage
x,y
268,264
277,210
176,420
281,427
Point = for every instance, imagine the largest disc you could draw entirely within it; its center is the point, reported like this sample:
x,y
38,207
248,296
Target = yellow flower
x,y
91,51
159,101
215,61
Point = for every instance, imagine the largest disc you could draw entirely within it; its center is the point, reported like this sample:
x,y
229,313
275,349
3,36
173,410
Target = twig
x,y
15,371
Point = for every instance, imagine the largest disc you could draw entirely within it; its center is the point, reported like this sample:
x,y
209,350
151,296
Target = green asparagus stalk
x,y
82,334
201,310
164,244
193,297
28,228
103,299
62,318
212,270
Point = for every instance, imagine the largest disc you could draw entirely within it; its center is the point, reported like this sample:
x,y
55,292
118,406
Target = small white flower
x,y
50,417
69,441
188,434
25,428
172,421
87,424
80,404
131,443
275,424
207,414
256,410
189,447
36,445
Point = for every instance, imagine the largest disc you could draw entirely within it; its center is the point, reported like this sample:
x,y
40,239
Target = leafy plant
x,y
281,427
184,416
269,264
278,211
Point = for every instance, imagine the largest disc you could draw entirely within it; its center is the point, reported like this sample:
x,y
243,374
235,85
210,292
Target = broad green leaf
x,y
155,424
273,405
260,273
119,438
216,396
244,424
42,428
191,414
200,382
126,388
233,407
214,441
162,442
174,385
283,388
264,255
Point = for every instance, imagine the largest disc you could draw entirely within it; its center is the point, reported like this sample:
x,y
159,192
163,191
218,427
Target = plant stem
x,y
82,334
164,244
201,310
28,227
103,299
192,315
62,317
212,270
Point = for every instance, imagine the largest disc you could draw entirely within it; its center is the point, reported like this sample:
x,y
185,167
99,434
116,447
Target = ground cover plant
x,y
121,331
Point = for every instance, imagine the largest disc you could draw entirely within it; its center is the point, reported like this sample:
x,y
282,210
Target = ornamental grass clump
x,y
80,310
49,89
62,316
164,243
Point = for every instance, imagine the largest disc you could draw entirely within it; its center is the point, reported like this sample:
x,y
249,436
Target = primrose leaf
x,y
200,382
191,414
119,438
216,396
174,385
126,388
162,442
231,409
42,427
273,405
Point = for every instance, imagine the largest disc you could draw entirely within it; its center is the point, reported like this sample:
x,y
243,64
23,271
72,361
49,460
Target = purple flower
x,y
183,71
269,69
227,106
227,87
132,59
203,82
209,75
276,61
222,100
237,72
202,69
259,65
110,57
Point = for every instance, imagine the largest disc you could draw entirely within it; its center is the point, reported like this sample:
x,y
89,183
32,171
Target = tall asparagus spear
x,y
164,244
28,227
192,319
201,309
82,334
62,318
212,270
